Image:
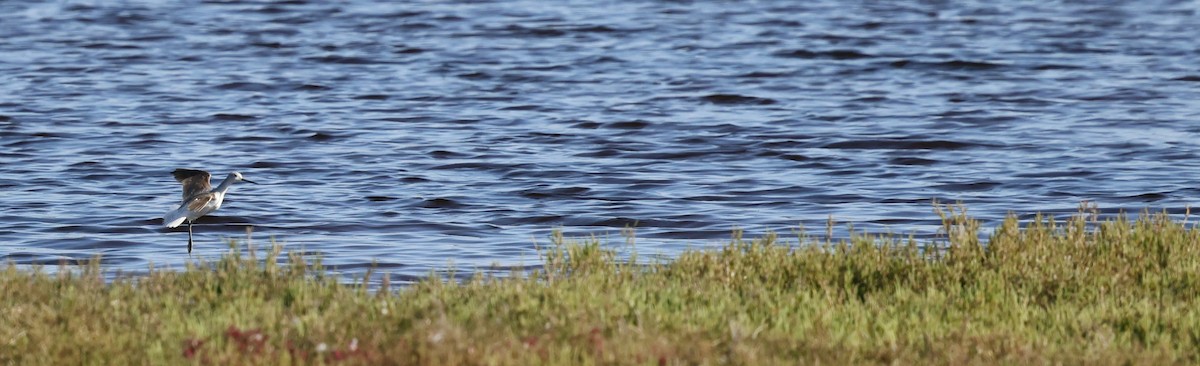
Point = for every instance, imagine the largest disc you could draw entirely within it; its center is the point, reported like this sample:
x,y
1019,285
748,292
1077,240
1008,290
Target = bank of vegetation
x,y
1072,291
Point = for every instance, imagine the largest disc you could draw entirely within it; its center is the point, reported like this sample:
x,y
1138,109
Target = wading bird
x,y
198,198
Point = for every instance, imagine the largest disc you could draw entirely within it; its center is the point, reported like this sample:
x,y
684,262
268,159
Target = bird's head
x,y
239,178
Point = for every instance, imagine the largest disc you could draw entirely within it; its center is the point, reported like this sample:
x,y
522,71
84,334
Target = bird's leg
x,y
189,237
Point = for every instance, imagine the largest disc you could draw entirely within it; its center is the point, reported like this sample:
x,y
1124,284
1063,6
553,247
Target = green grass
x,y
1076,291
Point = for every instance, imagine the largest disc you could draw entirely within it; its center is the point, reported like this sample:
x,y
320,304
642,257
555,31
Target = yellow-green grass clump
x,y
1073,292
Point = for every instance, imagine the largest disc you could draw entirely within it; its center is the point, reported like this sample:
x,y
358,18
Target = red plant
x,y
248,341
253,341
191,346
340,355
597,339
296,351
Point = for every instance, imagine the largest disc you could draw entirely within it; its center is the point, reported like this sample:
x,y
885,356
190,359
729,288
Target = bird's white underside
x,y
176,217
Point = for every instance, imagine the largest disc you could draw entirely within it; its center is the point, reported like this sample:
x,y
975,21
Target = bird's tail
x,y
175,217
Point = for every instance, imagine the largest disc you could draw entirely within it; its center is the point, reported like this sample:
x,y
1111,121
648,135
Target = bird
x,y
199,198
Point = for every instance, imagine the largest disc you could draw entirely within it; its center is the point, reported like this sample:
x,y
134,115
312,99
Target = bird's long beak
x,y
249,181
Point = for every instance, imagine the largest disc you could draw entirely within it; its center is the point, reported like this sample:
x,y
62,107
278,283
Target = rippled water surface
x,y
423,134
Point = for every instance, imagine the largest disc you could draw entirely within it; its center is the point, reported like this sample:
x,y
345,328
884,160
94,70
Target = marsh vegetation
x,y
1075,291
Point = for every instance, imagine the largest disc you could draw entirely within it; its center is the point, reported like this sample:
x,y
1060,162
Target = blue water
x,y
424,135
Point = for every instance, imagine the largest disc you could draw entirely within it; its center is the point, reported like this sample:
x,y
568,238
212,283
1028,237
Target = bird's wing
x,y
194,181
197,202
